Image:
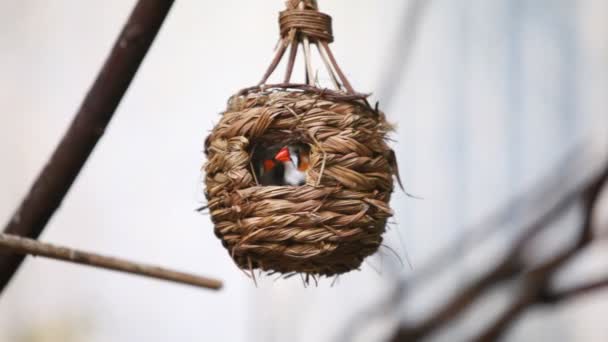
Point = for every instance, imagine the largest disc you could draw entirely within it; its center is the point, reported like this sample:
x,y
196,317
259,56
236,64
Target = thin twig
x,y
535,281
574,292
539,279
334,63
25,246
88,126
293,52
328,66
275,62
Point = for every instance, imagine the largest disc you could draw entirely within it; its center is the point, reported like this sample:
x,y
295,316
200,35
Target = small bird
x,y
286,165
296,161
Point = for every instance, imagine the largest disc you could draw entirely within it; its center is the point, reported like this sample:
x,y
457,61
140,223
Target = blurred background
x,y
488,96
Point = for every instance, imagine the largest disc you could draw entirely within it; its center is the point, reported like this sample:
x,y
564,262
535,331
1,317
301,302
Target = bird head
x,y
296,155
289,155
283,156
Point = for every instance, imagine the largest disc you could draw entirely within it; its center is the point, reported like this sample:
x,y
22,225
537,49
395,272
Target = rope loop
x,y
312,23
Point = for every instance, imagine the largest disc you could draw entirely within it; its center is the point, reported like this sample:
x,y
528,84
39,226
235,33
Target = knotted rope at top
x,y
302,23
312,23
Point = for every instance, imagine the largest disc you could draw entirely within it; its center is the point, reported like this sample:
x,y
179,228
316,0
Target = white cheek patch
x,y
293,176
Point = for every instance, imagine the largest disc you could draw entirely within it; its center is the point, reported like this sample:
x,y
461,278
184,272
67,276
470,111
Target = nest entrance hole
x,y
282,162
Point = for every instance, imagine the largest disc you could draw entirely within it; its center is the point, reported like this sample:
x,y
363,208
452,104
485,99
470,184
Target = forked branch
x,y
536,279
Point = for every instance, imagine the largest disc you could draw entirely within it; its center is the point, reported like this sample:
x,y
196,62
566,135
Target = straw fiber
x,y
325,227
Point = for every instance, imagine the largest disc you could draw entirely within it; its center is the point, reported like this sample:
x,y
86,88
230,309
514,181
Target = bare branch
x,y
88,126
574,292
539,279
536,280
25,246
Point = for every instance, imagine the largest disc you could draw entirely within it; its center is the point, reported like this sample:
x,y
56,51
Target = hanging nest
x,y
335,220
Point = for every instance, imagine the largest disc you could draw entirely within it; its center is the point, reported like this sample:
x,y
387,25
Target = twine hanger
x,y
303,24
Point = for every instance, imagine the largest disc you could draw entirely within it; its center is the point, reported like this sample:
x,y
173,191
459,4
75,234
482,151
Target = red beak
x,y
283,155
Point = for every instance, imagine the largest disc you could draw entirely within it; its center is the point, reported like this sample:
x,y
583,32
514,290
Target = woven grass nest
x,y
325,227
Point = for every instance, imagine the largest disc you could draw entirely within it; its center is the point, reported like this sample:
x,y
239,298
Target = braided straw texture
x,y
325,227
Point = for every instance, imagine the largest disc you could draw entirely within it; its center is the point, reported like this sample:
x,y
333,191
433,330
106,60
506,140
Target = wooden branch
x,y
556,297
25,246
457,304
509,266
536,279
534,282
89,124
539,279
